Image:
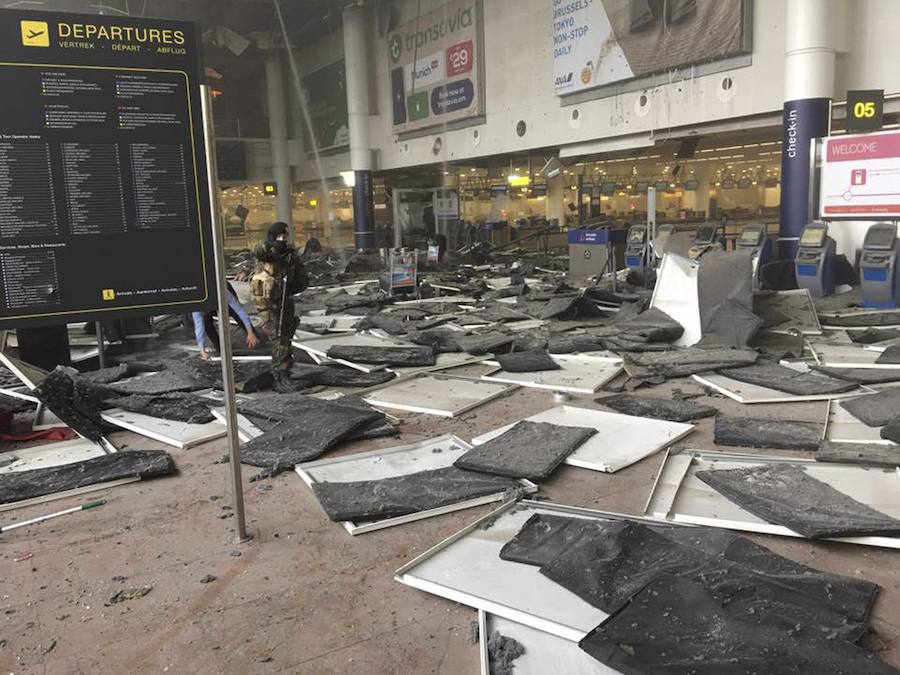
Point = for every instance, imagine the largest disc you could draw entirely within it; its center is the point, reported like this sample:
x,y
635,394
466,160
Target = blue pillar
x,y
364,211
803,120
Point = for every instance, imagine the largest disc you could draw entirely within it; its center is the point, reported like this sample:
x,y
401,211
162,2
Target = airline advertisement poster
x,y
599,42
860,176
435,67
104,209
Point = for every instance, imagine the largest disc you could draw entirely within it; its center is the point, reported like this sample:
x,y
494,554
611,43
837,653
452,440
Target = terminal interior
x,y
562,337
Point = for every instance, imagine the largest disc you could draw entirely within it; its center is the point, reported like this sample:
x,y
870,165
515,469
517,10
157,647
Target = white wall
x,y
871,59
519,86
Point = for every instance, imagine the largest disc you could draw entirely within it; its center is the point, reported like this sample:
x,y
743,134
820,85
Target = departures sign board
x,y
104,209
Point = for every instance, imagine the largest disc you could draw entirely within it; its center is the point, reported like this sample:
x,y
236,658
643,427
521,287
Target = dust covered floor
x,y
304,596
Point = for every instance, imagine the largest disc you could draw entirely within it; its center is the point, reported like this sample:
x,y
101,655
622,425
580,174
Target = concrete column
x,y
808,88
556,205
698,199
359,108
278,133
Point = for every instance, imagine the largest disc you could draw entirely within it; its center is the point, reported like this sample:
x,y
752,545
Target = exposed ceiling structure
x,y
305,20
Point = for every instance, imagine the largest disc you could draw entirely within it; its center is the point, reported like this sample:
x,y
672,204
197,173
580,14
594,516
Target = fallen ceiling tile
x,y
878,454
577,374
414,356
767,433
621,440
388,463
842,427
670,621
657,408
788,380
436,395
875,410
787,495
750,394
182,435
50,454
530,450
680,496
20,485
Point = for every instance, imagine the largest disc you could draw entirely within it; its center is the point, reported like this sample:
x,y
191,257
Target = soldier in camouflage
x,y
279,275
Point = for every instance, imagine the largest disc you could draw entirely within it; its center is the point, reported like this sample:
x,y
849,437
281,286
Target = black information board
x,y
104,209
865,109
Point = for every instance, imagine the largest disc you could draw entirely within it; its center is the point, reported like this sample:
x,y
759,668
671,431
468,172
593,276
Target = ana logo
x,y
35,34
563,79
395,47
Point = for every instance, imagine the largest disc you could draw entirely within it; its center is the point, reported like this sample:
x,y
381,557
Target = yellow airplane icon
x,y
35,34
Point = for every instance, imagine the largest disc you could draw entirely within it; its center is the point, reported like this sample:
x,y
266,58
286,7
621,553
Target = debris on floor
x,y
530,450
766,433
789,496
470,370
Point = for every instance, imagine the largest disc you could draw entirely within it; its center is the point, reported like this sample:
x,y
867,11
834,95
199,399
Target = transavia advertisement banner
x,y
598,42
434,67
861,176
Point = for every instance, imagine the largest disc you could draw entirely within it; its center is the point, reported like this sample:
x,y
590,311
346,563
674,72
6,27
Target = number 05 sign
x,y
865,109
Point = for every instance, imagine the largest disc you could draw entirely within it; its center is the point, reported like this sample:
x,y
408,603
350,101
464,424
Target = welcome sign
x,y
435,63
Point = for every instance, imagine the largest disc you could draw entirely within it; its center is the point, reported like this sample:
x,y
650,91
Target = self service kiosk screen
x,y
636,236
750,236
812,236
881,237
705,234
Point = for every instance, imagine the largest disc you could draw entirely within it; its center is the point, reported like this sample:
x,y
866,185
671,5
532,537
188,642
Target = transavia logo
x,y
395,45
35,34
563,79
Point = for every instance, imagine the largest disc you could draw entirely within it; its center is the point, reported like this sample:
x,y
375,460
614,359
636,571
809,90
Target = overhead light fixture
x,y
349,178
222,36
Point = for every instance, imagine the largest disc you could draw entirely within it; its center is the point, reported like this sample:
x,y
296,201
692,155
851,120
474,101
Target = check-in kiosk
x,y
707,237
878,266
754,238
815,261
661,240
593,251
636,247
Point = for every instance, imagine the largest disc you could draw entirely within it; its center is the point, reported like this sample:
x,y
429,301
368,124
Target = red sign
x,y
860,176
460,58
872,146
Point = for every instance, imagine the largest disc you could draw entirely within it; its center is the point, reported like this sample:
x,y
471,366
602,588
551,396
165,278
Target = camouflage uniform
x,y
274,301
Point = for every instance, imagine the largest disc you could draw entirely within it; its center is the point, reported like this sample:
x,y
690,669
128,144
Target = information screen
x,y
812,236
103,202
705,234
750,235
881,237
636,235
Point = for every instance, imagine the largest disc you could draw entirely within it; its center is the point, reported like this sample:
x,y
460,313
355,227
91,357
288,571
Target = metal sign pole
x,y
234,448
100,353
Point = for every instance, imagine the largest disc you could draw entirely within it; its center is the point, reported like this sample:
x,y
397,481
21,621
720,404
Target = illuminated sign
x,y
865,109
